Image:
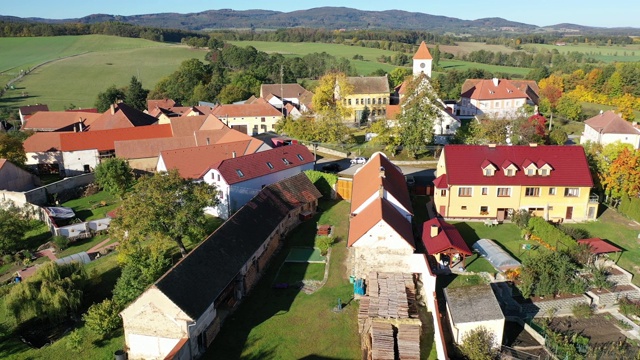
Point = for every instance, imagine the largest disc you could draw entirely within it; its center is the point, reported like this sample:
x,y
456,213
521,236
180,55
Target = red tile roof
x,y
256,109
193,162
598,246
212,123
122,116
104,140
163,103
367,181
2,162
393,111
569,163
186,126
486,89
150,148
59,120
255,165
379,209
422,53
448,238
87,110
32,109
42,142
610,123
441,182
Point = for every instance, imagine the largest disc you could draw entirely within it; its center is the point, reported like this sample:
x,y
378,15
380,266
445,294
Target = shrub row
x,y
323,181
549,233
630,207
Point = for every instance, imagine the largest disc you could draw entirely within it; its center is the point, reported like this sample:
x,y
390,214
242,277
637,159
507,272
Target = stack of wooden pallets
x,y
408,339
382,341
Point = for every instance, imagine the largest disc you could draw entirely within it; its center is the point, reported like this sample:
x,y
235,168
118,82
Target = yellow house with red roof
x,y
490,182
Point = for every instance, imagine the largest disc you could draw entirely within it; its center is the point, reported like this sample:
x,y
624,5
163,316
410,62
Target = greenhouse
x,y
496,255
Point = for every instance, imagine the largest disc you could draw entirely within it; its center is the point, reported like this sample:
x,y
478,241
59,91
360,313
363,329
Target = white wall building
x,y
608,127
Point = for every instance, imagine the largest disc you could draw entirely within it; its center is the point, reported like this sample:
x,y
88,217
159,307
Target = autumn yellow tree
x,y
551,90
625,105
623,177
332,89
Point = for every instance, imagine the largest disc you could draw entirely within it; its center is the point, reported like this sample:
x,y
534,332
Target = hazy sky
x,y
612,13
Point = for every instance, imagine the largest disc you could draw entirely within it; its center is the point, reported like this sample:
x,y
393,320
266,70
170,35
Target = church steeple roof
x,y
422,53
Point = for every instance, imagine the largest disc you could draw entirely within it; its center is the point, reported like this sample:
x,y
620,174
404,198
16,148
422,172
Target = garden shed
x,y
496,255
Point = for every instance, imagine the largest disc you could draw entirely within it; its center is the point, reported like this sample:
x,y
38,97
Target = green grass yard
x,y
603,53
90,207
292,273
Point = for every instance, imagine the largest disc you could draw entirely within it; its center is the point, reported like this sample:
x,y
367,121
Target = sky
x,y
612,13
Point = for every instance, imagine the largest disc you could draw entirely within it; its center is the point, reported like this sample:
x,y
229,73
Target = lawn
x,y
603,53
91,208
82,245
291,273
464,65
102,61
622,232
507,235
289,324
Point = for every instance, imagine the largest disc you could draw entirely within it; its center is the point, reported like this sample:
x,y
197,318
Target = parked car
x,y
331,167
359,160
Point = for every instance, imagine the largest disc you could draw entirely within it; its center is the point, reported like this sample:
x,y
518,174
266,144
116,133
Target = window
x,y
592,213
357,101
550,208
285,161
220,195
552,191
531,172
508,172
349,101
443,192
571,192
488,172
532,191
300,157
504,192
485,191
262,120
497,104
218,177
484,210
239,172
368,101
263,128
464,191
544,172
463,208
384,101
270,165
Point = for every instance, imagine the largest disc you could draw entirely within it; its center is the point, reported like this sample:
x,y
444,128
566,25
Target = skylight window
x,y
300,157
239,172
285,161
270,165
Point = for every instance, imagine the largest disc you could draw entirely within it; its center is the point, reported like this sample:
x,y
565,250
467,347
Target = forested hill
x,y
331,18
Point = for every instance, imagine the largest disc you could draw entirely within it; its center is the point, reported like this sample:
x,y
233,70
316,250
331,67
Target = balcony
x,y
594,199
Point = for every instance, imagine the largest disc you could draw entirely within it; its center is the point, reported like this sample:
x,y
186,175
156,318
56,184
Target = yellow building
x,y
490,182
371,92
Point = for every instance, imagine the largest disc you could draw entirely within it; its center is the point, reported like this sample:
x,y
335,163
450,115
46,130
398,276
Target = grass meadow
x,y
603,53
101,61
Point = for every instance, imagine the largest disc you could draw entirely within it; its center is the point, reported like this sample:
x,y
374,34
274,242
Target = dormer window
x,y
488,169
509,168
545,170
509,172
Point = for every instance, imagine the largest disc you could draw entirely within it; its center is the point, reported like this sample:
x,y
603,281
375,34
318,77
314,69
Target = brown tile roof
x,y
103,140
367,181
32,109
122,116
197,280
256,109
164,103
192,162
203,110
58,120
288,90
149,148
255,165
393,111
422,53
379,209
186,126
212,123
2,162
610,123
487,90
42,142
369,84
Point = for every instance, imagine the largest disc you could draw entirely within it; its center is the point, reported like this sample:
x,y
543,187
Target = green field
x,y
612,53
101,61
464,65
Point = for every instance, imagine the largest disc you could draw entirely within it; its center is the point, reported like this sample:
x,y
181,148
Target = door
x,y
569,213
241,128
500,216
443,210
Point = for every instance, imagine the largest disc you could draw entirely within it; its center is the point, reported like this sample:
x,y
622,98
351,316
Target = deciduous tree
x,y
329,94
420,110
109,97
11,149
163,207
477,344
13,226
114,175
623,177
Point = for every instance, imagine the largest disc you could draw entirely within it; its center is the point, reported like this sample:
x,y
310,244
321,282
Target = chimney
x,y
495,81
492,146
601,112
533,144
80,124
382,172
233,154
434,230
381,192
113,109
208,141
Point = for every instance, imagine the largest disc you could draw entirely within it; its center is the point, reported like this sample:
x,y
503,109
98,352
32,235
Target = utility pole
x,y
281,91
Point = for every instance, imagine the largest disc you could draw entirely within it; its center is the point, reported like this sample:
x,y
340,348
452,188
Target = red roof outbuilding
x,y
598,246
446,238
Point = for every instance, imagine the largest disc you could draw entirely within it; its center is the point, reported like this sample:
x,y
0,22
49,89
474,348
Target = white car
x,y
359,160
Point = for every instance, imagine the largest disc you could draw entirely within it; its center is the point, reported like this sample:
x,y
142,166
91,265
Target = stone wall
x,y
38,196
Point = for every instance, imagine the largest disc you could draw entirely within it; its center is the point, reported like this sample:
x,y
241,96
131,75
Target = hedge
x,y
630,207
549,233
323,181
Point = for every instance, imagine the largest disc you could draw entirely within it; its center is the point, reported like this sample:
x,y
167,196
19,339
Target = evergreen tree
x,y
136,96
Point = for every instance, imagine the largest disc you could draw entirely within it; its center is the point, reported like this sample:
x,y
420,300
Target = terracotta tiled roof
x,y
610,123
86,110
448,237
598,246
569,164
42,142
192,162
32,109
422,53
149,148
487,90
164,103
369,84
186,126
379,210
122,116
256,109
393,111
255,165
367,181
289,91
203,110
58,120
103,140
197,280
212,123
2,162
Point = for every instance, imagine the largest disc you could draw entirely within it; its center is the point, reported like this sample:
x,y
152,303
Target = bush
x,y
324,243
521,218
549,233
7,259
575,233
74,341
61,242
582,311
628,307
630,207
478,344
102,318
323,182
